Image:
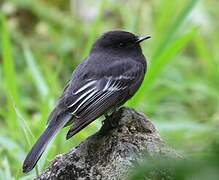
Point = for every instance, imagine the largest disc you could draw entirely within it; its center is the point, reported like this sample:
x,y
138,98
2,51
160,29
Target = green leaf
x,y
8,63
35,72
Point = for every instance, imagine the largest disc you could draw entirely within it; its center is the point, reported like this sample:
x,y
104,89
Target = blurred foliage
x,y
41,42
156,168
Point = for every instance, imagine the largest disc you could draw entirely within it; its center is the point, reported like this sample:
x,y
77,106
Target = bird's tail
x,y
41,144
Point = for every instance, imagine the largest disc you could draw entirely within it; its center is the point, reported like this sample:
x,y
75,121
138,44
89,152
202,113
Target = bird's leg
x,y
111,117
114,110
106,117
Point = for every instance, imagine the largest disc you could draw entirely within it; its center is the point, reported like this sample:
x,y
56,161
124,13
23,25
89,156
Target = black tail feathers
x,y
41,144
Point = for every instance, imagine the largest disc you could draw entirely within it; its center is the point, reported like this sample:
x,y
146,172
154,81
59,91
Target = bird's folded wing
x,y
97,97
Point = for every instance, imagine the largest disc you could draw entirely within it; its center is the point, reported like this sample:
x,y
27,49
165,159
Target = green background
x,y
42,41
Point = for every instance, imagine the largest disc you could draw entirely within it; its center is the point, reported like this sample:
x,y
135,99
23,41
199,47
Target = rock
x,y
109,154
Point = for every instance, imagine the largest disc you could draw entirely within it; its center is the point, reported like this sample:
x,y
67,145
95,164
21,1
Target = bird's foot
x,y
109,118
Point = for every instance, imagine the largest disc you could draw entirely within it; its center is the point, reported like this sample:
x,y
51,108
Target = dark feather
x,y
105,80
101,102
41,144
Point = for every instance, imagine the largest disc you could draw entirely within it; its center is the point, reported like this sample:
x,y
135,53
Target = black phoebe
x,y
109,77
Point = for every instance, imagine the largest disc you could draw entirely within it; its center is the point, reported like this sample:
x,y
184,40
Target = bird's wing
x,y
97,97
87,99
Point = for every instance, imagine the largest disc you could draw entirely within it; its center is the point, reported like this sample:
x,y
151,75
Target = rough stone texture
x,y
108,154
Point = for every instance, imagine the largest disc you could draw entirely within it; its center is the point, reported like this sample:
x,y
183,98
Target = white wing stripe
x,y
104,96
82,96
114,84
125,77
85,87
107,84
101,98
89,96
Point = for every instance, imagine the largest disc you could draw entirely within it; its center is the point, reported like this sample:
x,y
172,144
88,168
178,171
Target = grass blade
x,y
156,68
35,72
174,28
8,63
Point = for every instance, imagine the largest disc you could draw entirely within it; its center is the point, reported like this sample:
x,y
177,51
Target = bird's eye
x,y
121,44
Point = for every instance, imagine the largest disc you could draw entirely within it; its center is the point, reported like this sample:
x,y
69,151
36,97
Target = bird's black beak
x,y
142,38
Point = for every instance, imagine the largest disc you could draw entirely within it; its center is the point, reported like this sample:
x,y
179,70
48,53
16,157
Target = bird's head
x,y
119,41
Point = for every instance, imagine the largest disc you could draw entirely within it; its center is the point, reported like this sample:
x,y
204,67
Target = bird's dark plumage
x,y
110,76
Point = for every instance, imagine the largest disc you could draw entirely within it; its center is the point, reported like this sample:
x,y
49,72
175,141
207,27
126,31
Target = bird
x,y
104,81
